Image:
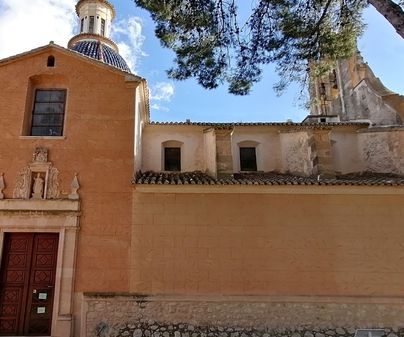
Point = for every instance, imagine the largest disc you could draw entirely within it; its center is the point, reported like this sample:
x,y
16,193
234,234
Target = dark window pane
x,y
46,131
102,27
172,159
248,160
57,96
44,108
50,96
48,113
51,61
48,119
91,25
43,96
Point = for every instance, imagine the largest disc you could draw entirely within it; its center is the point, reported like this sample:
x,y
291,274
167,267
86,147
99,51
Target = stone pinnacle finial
x,y
75,185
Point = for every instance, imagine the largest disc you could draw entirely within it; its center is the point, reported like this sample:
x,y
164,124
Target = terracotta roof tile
x,y
269,178
230,124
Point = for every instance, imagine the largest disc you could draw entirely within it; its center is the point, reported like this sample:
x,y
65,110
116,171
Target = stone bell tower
x,y
352,92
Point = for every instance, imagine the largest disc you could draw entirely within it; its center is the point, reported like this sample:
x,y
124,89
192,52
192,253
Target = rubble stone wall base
x,y
141,316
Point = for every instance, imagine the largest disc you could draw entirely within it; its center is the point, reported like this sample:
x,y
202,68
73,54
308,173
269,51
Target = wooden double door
x,y
27,281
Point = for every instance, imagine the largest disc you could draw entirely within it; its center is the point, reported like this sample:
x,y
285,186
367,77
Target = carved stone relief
x,y
53,184
23,186
40,155
2,185
39,179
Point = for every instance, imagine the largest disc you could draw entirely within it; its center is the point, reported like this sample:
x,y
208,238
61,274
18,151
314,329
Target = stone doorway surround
x,y
49,216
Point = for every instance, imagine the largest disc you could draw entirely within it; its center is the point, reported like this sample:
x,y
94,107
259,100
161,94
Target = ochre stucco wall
x,y
98,144
268,244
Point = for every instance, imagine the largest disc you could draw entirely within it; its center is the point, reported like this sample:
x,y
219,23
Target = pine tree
x,y
214,46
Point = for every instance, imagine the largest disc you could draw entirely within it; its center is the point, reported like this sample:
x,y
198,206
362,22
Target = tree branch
x,y
392,12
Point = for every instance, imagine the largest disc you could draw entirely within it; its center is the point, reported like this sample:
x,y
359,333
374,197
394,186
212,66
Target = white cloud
x,y
158,107
162,91
129,33
28,24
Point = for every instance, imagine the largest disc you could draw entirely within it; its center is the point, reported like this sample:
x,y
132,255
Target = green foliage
x,y
212,45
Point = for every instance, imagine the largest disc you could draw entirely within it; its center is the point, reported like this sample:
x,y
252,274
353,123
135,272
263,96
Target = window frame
x,y
178,166
91,24
51,62
242,167
102,31
62,126
172,144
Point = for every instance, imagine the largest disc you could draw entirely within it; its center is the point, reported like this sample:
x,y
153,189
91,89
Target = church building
x,y
114,225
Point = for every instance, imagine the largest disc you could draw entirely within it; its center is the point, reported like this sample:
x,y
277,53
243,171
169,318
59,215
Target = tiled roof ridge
x,y
266,178
227,124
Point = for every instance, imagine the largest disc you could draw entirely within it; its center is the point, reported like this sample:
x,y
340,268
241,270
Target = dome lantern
x,y
93,39
95,17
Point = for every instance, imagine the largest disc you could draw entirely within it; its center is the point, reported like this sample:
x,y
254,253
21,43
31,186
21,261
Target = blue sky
x,y
55,20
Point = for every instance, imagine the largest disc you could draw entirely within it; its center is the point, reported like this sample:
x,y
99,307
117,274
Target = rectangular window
x,y
82,25
248,159
48,113
172,159
91,25
102,27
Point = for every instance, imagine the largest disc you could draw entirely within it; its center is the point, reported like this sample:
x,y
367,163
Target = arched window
x,y
171,151
91,25
248,155
51,61
102,27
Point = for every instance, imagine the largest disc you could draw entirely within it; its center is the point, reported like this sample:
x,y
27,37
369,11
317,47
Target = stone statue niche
x,y
37,189
39,179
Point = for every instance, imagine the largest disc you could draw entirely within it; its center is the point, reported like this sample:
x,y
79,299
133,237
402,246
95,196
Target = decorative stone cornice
x,y
39,206
105,2
88,36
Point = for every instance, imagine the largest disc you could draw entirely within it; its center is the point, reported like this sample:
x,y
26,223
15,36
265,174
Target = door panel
x,y
40,299
14,281
27,279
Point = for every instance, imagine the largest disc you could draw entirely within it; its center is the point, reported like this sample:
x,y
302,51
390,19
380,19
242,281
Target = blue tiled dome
x,y
99,51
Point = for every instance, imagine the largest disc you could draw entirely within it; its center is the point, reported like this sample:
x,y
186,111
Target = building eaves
x,y
230,124
71,52
23,54
267,178
38,50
